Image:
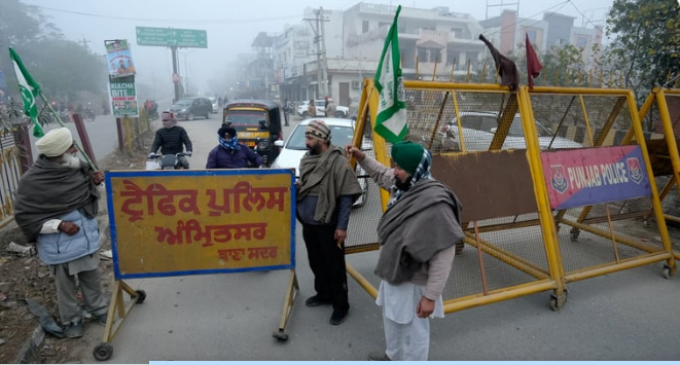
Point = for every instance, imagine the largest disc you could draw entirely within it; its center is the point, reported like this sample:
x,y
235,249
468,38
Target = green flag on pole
x,y
391,121
29,91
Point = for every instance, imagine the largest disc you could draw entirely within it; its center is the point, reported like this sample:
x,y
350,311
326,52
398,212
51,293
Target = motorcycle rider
x,y
172,139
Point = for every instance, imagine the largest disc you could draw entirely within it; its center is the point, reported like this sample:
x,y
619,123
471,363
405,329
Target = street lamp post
x,y
186,72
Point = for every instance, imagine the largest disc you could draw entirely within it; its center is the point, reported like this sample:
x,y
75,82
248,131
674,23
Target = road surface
x,y
630,315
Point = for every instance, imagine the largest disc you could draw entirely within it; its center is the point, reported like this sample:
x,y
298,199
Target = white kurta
x,y
407,337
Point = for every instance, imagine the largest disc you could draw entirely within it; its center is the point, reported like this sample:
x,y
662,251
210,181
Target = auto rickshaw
x,y
258,124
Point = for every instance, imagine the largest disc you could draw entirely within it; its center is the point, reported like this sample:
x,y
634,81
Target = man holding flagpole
x,y
418,231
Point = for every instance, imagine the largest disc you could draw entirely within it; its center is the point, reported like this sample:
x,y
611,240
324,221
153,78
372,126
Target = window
x,y
532,35
581,42
457,32
364,26
383,24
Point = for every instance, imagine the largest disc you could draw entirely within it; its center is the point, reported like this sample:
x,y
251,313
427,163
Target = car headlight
x,y
183,110
263,144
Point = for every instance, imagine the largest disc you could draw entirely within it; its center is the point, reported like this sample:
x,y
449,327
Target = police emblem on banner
x,y
634,170
559,179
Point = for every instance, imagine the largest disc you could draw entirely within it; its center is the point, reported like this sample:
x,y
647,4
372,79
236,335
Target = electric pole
x,y
321,73
84,42
324,64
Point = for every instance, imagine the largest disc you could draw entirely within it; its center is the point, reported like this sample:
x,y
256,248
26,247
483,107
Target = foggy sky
x,y
232,25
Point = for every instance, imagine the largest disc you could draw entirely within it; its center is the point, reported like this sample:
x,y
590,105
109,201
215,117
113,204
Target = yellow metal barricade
x,y
660,118
489,145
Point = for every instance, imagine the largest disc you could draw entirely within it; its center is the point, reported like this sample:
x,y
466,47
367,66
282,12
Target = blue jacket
x,y
60,248
221,158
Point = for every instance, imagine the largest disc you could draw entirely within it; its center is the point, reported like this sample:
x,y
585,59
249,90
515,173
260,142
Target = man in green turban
x,y
417,235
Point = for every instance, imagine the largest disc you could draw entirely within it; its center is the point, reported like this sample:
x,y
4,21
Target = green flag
x,y
29,91
391,121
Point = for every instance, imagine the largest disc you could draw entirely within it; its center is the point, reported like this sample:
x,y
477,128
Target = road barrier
x,y
541,207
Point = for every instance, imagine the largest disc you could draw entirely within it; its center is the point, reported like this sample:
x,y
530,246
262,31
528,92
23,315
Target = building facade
x,y
508,31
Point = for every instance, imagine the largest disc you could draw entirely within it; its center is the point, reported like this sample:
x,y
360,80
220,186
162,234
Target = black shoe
x,y
378,357
315,301
74,330
338,316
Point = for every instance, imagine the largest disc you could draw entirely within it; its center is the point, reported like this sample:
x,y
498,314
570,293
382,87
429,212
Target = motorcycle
x,y
165,162
89,115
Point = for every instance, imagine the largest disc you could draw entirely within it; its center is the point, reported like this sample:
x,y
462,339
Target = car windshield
x,y
516,129
246,118
185,102
340,136
212,99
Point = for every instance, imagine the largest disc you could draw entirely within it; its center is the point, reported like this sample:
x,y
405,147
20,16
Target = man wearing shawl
x,y
56,207
326,190
417,236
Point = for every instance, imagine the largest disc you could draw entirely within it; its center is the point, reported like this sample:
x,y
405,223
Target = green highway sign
x,y
172,37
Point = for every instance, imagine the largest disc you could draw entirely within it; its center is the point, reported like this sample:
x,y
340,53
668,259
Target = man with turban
x,y
230,154
327,188
417,235
56,207
172,139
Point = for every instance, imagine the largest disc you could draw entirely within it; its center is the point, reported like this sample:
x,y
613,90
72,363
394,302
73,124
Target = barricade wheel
x,y
573,234
141,296
667,272
280,336
103,352
557,302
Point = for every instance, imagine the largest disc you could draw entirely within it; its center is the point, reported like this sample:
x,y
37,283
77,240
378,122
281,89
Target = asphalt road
x,y
630,315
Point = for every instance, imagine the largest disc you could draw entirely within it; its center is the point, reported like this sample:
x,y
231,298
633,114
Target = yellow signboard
x,y
168,223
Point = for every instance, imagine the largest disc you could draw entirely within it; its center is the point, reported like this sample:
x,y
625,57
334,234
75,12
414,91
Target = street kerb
x,y
552,183
660,115
179,223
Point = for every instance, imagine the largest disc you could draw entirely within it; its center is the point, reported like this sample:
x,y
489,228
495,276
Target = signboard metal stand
x,y
227,227
104,350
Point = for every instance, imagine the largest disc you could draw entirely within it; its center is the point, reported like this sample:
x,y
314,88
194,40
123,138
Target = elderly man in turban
x,y
172,139
326,191
417,236
56,207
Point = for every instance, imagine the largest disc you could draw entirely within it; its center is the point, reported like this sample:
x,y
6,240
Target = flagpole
x,y
87,158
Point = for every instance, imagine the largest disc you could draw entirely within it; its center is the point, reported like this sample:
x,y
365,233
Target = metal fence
x,y
10,173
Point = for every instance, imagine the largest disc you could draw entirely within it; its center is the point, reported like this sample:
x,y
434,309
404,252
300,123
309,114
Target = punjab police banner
x,y
591,176
170,223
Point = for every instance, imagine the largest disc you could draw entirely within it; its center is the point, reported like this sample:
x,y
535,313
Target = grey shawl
x,y
333,175
48,191
423,222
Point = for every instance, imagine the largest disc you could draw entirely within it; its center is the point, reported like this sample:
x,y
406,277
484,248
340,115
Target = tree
x,y
65,69
645,42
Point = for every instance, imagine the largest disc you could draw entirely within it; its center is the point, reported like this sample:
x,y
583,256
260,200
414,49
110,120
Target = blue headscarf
x,y
422,173
229,144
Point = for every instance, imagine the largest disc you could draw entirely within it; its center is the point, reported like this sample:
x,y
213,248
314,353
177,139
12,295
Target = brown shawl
x,y
424,221
48,191
333,175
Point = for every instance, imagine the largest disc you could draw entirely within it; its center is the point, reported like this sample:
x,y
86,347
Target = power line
x,y
558,6
583,15
150,20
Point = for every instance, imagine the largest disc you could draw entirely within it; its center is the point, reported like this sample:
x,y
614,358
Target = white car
x,y
480,127
292,150
340,111
215,105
